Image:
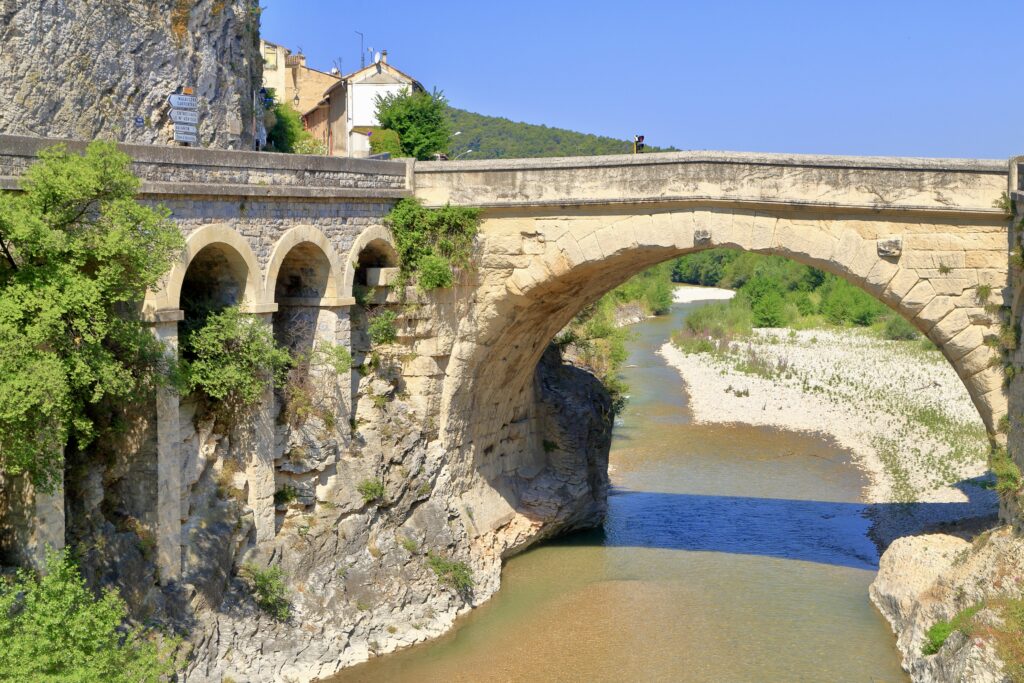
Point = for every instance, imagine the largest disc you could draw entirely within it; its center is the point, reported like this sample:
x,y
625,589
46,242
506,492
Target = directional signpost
x,y
186,118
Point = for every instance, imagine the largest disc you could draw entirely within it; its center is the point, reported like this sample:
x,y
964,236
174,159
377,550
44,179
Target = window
x,y
270,57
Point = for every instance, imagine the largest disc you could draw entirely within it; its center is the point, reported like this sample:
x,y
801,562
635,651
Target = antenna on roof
x,y
362,55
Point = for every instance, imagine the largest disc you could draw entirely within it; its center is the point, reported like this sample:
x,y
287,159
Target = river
x,y
730,554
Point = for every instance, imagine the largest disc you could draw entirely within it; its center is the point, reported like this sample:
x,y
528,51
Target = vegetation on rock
x,y
78,254
382,327
372,490
452,573
267,587
53,629
432,243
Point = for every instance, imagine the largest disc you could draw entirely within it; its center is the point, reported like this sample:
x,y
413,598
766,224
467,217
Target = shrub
x,y
410,545
372,490
289,135
382,328
267,587
434,273
383,141
77,252
286,494
898,329
451,572
53,629
426,237
232,359
769,310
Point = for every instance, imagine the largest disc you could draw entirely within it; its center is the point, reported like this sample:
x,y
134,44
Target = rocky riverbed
x,y
908,420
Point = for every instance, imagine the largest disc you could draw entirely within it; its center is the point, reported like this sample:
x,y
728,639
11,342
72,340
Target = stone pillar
x,y
258,441
169,461
47,524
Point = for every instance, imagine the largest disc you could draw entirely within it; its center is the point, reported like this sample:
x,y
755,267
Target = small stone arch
x,y
376,242
236,251
303,237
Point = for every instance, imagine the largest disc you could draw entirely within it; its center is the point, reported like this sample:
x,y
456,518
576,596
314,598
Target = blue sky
x,y
894,77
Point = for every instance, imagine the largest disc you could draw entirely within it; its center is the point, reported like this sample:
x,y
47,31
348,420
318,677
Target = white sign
x,y
185,137
185,128
184,101
180,116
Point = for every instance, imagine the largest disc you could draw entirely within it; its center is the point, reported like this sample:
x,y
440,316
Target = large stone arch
x,y
539,271
234,247
296,237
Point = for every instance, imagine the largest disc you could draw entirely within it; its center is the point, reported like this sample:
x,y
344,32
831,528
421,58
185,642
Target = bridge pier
x,y
48,524
258,440
169,460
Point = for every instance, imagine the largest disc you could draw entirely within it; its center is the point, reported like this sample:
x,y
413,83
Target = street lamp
x,y
468,151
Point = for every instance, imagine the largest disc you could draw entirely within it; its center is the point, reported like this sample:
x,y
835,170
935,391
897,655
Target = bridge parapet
x,y
773,181
204,172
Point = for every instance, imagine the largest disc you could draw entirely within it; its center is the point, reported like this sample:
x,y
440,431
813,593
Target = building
x,y
293,81
348,109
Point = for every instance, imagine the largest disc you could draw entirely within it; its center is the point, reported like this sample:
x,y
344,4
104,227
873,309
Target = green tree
x,y
232,358
53,629
419,118
77,254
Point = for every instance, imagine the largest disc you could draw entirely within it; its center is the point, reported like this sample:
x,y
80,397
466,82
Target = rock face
x,y
88,69
926,579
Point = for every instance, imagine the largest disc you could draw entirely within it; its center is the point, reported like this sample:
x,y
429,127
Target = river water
x,y
730,554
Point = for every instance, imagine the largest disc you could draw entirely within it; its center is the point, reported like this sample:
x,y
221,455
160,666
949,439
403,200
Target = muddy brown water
x,y
730,554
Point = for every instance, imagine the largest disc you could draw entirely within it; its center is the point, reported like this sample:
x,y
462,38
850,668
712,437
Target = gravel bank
x,y
900,409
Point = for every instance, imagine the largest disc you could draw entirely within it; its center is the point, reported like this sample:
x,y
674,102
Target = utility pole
x,y
362,53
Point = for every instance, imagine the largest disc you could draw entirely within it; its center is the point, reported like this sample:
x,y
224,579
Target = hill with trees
x,y
494,137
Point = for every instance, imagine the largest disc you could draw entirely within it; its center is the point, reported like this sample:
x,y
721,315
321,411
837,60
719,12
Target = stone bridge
x,y
288,238
924,236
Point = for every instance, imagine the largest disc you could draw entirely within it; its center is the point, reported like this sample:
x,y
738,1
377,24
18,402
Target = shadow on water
x,y
832,533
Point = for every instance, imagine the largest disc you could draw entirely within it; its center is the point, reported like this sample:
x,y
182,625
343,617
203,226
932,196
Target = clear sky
x,y
890,77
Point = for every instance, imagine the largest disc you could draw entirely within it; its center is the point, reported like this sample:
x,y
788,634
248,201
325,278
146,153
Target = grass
x,y
940,631
410,545
1008,475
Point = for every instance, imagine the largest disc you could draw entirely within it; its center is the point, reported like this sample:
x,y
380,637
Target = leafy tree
x,y
419,120
232,359
78,254
53,629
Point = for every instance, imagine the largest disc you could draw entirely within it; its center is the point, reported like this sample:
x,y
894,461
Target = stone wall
x,y
86,69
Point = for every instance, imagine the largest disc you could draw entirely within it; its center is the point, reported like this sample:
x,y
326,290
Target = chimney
x,y
384,56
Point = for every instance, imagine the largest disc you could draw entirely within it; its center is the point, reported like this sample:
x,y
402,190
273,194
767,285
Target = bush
x,y
427,238
383,141
77,253
289,135
382,328
451,572
53,629
898,329
769,310
267,587
434,273
371,490
232,359
1008,475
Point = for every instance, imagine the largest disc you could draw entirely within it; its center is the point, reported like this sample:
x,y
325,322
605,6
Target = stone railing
x,y
204,172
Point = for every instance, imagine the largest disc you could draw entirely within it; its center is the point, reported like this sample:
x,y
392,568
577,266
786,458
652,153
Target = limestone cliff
x,y
87,69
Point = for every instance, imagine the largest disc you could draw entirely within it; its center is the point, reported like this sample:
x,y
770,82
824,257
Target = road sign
x,y
184,101
181,116
140,122
185,137
185,128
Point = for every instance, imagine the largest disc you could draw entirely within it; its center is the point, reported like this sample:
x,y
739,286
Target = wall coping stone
x,y
995,166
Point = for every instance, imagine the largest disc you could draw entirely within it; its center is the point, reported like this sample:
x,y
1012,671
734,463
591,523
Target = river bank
x,y
899,407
